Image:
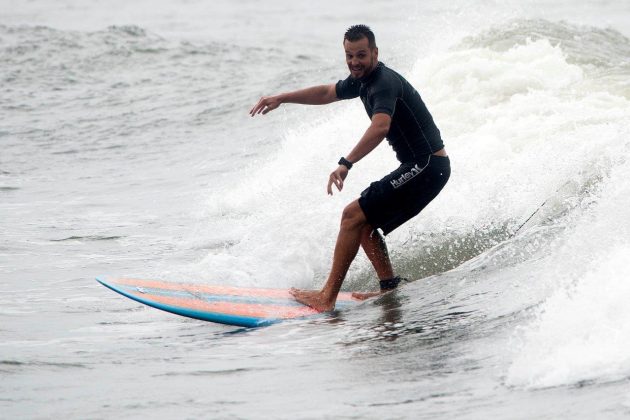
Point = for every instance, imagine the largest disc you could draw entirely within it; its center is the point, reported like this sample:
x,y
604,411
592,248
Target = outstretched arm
x,y
316,95
373,136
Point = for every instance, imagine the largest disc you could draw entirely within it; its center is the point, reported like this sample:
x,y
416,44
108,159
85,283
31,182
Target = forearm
x,y
316,95
372,137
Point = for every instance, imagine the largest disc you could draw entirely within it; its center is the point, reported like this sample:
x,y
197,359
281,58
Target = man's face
x,y
360,58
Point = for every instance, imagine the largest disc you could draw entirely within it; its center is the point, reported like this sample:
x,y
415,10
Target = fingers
x,y
339,183
337,177
264,105
258,107
334,179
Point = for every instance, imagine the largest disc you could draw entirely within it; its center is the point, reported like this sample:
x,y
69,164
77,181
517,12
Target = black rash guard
x,y
412,134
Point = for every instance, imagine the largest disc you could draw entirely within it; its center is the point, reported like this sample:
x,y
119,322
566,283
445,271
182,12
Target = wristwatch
x,y
345,162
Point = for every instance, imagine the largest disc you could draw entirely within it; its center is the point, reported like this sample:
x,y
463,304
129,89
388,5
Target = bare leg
x,y
353,225
375,248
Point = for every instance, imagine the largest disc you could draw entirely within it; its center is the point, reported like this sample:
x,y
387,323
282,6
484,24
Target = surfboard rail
x,y
230,305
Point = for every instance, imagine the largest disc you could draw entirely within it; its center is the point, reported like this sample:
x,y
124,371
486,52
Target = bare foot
x,y
313,298
366,295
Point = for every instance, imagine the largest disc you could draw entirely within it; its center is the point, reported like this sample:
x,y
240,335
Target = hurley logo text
x,y
406,177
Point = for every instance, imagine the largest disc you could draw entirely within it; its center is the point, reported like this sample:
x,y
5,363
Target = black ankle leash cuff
x,y
390,284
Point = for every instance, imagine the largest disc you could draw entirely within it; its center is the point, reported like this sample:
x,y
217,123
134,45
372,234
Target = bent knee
x,y
353,217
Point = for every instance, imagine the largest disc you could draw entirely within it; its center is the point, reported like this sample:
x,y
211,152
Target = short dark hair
x,y
357,32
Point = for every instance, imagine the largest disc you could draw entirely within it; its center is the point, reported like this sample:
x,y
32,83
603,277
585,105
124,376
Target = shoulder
x,y
347,88
386,79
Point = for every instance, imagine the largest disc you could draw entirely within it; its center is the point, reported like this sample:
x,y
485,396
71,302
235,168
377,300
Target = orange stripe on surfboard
x,y
216,290
227,308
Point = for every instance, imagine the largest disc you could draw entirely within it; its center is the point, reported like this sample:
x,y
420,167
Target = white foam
x,y
582,332
517,124
277,214
506,118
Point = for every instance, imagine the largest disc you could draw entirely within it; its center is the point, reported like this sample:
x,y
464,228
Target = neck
x,y
370,71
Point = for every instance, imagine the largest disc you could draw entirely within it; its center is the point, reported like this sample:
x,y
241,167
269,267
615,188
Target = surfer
x,y
397,113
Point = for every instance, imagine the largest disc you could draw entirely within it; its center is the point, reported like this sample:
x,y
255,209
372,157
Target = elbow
x,y
381,124
385,130
382,130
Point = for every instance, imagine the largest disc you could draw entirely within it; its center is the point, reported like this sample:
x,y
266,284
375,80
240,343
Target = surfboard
x,y
244,307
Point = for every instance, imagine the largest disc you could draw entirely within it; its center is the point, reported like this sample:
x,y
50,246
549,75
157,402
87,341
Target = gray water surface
x,y
127,149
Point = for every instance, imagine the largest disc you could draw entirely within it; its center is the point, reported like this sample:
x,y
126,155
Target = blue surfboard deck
x,y
239,306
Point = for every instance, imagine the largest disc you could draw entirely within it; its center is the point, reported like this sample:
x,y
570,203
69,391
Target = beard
x,y
364,69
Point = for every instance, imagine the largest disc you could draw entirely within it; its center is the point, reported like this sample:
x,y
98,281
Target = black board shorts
x,y
403,194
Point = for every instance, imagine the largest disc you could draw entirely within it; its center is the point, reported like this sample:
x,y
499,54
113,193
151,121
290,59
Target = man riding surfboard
x,y
397,113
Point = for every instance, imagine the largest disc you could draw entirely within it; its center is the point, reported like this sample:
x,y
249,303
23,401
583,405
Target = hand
x,y
337,177
265,104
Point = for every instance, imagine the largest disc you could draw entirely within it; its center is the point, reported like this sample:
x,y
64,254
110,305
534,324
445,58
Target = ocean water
x,y
126,148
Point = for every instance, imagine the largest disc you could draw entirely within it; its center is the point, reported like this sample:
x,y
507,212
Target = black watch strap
x,y
345,162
